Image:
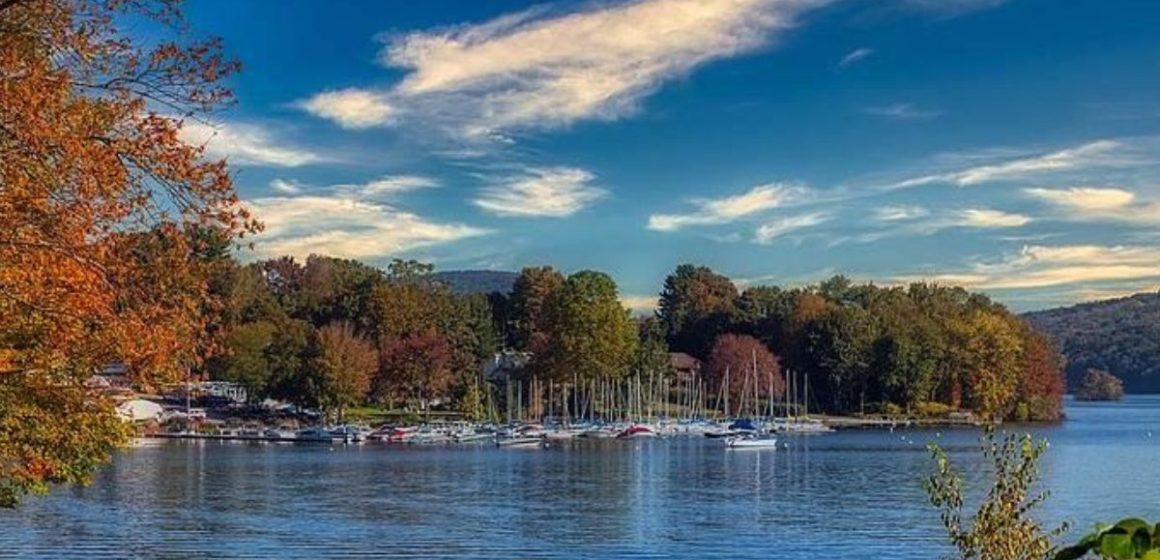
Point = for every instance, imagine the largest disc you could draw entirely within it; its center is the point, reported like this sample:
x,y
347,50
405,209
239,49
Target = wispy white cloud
x,y
382,187
285,186
348,220
986,218
351,108
1038,266
716,211
904,221
775,229
544,69
1101,153
344,227
903,111
1097,294
855,56
387,185
1085,199
899,213
551,192
245,144
1099,204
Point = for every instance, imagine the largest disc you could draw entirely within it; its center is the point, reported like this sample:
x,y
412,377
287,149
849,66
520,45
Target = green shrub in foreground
x,y
1127,540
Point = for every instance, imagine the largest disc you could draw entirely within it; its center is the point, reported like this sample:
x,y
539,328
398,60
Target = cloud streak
x,y
855,56
348,220
1101,153
552,192
903,112
899,213
1095,204
245,145
773,230
351,108
540,69
717,211
303,225
1038,266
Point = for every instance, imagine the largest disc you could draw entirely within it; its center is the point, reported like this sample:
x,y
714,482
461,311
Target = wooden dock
x,y
229,437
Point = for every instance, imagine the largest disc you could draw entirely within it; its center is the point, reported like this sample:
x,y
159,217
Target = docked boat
x,y
348,434
474,437
751,441
718,432
275,434
314,435
744,426
599,433
429,437
637,431
802,426
562,433
519,442
400,434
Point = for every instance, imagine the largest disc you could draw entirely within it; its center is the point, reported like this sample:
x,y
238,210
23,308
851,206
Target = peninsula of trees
x,y
404,337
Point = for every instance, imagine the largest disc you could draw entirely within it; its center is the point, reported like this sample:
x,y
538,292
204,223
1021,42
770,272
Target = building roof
x,y
683,361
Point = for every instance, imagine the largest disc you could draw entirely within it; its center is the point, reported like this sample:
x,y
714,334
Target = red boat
x,y
637,431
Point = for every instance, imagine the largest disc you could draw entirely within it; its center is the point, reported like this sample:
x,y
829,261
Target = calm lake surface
x,y
849,494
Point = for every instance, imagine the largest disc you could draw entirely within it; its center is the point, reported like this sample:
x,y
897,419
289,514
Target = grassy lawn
x,y
375,415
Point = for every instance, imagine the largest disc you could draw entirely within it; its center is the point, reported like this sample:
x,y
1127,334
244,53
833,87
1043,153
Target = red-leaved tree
x,y
751,369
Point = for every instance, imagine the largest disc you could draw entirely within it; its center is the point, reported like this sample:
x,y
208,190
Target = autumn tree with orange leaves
x,y
109,223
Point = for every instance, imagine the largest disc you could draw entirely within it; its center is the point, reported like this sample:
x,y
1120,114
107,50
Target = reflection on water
x,y
845,494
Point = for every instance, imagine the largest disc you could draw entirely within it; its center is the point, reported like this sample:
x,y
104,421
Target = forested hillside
x,y
477,281
1120,336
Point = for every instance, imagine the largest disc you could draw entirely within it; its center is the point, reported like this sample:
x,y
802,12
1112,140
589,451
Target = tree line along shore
x,y
337,334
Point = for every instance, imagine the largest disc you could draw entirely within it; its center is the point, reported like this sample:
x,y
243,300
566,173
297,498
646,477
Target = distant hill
x,y
478,281
1121,336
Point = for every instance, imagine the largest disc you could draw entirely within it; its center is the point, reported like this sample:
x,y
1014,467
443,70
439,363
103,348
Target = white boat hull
x,y
520,442
751,443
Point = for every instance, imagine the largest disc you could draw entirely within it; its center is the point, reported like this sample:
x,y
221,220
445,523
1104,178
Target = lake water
x,y
853,494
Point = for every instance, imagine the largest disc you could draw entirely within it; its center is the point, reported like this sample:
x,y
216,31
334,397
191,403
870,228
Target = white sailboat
x,y
803,424
752,441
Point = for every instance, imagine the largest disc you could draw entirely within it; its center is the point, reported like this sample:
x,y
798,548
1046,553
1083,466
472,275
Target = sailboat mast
x,y
806,400
726,388
756,384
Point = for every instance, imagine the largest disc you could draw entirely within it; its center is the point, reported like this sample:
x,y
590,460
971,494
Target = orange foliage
x,y
107,216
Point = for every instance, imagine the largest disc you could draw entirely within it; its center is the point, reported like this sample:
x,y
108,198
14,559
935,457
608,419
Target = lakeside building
x,y
686,367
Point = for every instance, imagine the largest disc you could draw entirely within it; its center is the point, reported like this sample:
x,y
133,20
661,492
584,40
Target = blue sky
x,y
1009,146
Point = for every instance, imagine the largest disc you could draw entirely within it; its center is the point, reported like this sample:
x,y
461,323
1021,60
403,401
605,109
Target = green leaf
x,y
1133,524
1151,555
1073,552
1117,546
1141,540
